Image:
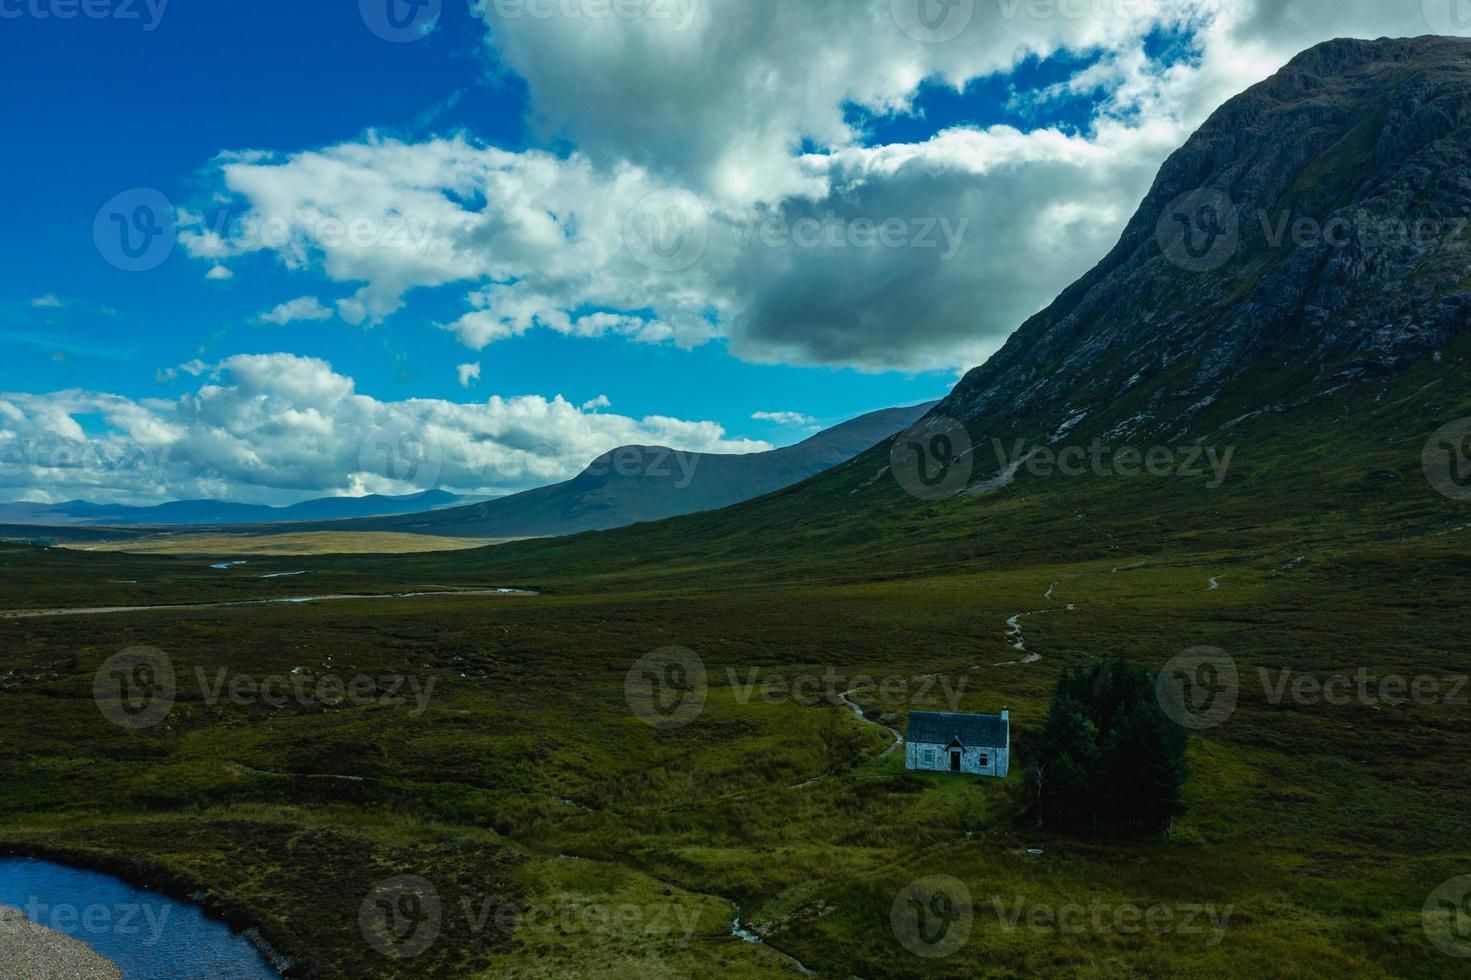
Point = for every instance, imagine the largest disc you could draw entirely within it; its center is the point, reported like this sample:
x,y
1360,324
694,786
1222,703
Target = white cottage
x,y
940,741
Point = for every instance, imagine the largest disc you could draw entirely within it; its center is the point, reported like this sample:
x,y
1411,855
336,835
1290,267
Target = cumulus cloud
x,y
305,308
276,428
468,373
192,368
783,418
219,273
721,184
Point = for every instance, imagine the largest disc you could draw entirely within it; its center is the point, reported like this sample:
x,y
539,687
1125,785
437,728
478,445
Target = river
x,y
148,936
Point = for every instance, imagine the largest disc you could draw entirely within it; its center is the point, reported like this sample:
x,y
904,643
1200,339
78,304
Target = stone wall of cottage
x,y
998,761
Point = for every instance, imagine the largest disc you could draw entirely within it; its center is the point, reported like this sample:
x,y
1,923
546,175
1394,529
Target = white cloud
x,y
219,273
193,368
783,418
707,140
305,308
48,302
276,428
468,373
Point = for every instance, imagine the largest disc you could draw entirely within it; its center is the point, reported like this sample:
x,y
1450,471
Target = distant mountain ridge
x,y
639,484
208,513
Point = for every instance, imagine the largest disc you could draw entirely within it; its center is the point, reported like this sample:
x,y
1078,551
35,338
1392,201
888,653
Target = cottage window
x,y
929,757
985,760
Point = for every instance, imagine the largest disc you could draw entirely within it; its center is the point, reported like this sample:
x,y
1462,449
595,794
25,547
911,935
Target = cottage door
x,y
954,760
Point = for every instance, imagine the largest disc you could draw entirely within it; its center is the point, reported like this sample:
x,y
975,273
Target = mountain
x,y
185,513
1315,229
637,484
1293,294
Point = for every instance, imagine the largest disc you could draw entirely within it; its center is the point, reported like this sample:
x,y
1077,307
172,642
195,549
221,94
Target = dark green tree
x,y
1108,754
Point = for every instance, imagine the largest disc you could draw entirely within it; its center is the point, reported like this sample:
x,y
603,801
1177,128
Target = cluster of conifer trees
x,y
1108,757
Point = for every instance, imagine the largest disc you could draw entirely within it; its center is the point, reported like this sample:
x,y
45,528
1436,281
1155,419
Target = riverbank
x,y
33,952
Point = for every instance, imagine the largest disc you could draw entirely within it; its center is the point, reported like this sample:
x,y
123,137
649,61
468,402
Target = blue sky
x,y
152,108
532,143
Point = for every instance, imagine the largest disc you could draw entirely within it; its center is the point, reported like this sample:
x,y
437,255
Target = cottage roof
x,y
943,727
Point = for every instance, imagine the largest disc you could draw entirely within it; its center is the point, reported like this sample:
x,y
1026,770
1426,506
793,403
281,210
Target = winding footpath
x,y
1018,639
847,698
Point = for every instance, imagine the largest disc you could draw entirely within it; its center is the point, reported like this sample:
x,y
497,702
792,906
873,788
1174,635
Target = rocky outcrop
x,y
1320,220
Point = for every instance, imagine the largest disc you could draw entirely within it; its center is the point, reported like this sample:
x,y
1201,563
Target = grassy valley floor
x,y
528,786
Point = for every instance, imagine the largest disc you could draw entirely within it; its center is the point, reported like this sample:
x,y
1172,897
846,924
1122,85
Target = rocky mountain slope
x,y
1319,223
